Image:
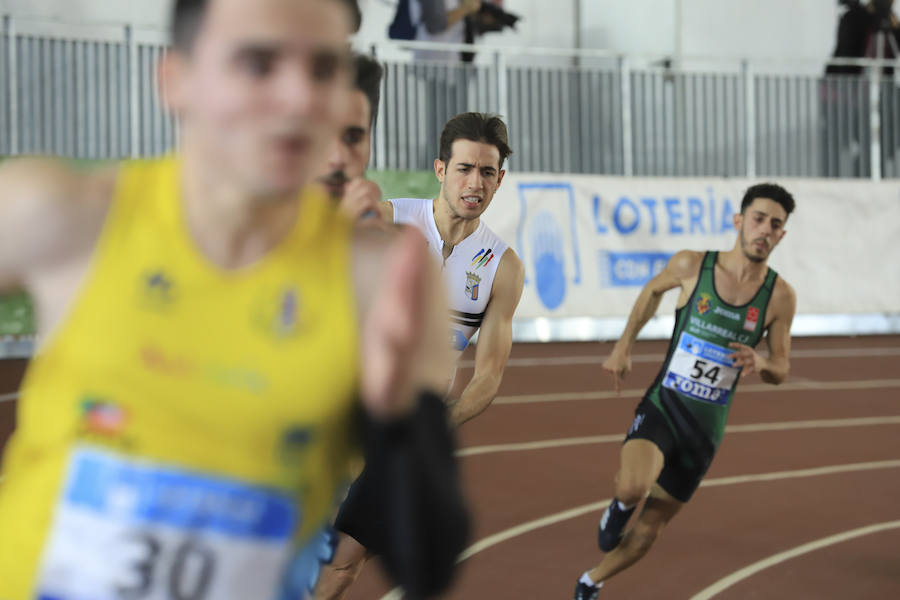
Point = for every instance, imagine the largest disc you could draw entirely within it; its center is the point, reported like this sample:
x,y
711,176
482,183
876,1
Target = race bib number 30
x,y
130,530
701,370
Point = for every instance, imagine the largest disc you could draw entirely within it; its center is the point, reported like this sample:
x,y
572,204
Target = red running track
x,y
821,463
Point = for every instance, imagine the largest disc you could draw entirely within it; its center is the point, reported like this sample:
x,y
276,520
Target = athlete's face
x,y
262,91
760,227
470,178
349,156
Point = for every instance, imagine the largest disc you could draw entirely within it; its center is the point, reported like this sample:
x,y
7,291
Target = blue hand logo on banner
x,y
547,257
550,229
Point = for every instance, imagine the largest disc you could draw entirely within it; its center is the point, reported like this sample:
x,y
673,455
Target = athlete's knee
x,y
333,583
337,577
349,565
349,557
631,489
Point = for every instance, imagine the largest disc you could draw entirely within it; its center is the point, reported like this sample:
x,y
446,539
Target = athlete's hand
x,y
361,198
746,358
471,6
391,336
619,364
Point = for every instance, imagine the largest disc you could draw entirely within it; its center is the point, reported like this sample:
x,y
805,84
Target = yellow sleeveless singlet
x,y
186,432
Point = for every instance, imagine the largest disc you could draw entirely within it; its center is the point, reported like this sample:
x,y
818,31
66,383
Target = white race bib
x,y
701,370
125,529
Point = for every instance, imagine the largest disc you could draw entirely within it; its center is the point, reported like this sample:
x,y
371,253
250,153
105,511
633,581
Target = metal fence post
x,y
627,131
380,139
12,68
875,121
502,85
749,117
134,83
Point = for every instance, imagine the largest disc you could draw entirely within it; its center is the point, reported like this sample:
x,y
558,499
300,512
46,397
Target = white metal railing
x,y
714,116
89,92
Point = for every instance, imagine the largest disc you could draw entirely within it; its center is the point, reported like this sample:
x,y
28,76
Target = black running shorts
x,y
687,454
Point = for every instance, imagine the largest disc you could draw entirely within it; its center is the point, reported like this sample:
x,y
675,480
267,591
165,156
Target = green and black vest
x,y
696,383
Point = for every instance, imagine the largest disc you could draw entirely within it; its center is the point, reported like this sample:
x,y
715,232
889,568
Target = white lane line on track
x,y
618,437
654,357
596,359
529,526
781,557
790,386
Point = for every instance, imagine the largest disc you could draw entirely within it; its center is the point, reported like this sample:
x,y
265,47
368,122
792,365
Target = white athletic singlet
x,y
468,272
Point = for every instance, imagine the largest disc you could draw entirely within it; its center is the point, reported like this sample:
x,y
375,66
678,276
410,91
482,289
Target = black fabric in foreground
x,y
413,480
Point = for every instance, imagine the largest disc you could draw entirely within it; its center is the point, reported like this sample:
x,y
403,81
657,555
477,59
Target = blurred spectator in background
x,y
444,91
868,30
858,34
443,87
441,21
490,18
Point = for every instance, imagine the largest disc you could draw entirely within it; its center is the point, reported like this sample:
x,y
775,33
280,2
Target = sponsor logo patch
x,y
752,318
482,258
158,290
102,417
728,314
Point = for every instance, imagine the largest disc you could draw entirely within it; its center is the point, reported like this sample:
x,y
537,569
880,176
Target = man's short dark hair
x,y
368,81
768,190
188,14
476,127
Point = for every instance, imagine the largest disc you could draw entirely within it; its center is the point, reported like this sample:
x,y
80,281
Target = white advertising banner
x,y
590,243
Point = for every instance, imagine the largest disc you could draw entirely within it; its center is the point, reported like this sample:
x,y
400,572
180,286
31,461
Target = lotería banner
x,y
590,243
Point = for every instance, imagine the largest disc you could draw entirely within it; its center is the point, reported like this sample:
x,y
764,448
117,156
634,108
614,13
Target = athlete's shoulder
x,y
509,280
784,296
511,269
511,262
515,270
685,263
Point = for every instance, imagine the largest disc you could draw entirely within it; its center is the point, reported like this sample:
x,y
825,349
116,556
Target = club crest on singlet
x,y
704,304
472,281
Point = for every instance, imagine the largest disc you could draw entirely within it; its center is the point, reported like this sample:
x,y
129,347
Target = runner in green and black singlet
x,y
729,302
696,383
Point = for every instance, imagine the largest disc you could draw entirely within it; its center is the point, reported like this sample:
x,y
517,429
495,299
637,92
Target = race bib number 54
x,y
701,370
129,530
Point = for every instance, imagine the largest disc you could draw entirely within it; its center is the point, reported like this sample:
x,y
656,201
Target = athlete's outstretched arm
x,y
776,367
683,265
29,226
49,215
494,341
409,447
403,321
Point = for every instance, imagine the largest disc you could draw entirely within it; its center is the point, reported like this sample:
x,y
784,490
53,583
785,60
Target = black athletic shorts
x,y
687,452
359,515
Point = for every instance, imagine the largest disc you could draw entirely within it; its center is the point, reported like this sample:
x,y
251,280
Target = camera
x,y
492,18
